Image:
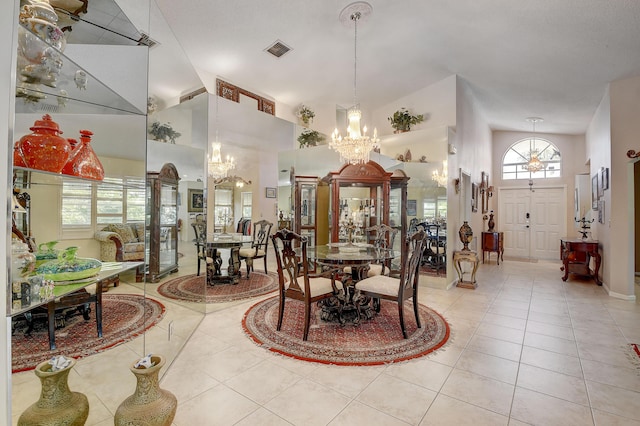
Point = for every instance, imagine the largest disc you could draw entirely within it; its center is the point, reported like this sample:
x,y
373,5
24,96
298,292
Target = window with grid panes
x,y
519,154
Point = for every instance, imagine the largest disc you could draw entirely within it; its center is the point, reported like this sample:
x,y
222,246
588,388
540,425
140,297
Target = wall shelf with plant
x,y
402,120
309,137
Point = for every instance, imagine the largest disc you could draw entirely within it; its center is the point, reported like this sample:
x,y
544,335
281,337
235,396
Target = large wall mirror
x,y
99,85
428,199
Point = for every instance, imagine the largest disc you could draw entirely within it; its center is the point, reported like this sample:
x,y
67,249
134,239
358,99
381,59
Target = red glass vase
x,y
83,161
44,149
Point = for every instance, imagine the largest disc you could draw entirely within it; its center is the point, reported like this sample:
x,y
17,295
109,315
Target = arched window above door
x,y
517,157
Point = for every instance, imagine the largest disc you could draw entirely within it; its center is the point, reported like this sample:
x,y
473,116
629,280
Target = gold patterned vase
x,y
149,405
466,235
57,405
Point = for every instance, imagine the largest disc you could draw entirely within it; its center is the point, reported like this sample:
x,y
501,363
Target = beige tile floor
x,y
526,348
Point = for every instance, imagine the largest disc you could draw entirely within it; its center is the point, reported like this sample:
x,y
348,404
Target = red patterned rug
x,y
375,341
190,288
124,317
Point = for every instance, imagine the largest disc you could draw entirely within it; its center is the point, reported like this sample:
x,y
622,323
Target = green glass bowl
x,y
69,270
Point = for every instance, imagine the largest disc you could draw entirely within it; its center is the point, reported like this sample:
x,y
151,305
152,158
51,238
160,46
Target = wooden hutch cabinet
x,y
360,193
162,222
311,209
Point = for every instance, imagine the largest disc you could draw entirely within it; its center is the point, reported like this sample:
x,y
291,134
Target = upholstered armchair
x,y
121,243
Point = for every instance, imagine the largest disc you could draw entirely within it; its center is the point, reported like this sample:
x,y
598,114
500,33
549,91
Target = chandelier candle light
x,y
534,165
217,168
355,147
441,177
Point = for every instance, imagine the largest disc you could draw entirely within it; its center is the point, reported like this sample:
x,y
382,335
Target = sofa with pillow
x,y
121,242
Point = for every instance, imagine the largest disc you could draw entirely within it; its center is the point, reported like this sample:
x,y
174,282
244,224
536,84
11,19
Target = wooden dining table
x,y
348,306
232,242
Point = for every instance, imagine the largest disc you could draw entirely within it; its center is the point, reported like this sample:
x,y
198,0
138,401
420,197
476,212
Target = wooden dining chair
x,y
294,279
383,237
258,249
200,229
403,288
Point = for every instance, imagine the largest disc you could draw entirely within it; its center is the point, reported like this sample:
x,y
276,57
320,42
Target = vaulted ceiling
x,y
546,58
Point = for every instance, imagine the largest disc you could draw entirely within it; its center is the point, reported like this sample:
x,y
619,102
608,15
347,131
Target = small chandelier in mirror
x,y
218,169
534,164
355,147
441,176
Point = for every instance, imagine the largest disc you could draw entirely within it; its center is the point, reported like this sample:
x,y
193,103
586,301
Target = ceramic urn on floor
x,y
149,405
57,405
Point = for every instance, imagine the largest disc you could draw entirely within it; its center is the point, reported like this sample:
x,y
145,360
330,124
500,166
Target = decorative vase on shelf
x,y
57,405
149,405
466,235
83,161
44,149
491,222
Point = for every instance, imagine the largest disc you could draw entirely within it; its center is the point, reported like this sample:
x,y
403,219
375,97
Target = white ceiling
x,y
546,58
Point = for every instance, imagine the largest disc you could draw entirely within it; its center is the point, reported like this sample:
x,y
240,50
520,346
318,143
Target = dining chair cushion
x,y
318,285
380,284
374,269
250,252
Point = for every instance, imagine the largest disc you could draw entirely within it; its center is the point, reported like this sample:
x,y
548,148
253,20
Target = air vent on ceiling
x,y
278,49
145,40
192,95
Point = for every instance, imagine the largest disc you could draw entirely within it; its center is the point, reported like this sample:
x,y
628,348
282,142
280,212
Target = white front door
x,y
532,221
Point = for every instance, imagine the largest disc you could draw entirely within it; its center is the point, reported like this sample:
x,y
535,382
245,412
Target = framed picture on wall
x,y
600,183
594,192
412,207
474,197
604,178
484,189
196,200
270,192
601,211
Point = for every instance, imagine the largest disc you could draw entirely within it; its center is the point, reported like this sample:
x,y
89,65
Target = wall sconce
x,y
456,185
531,185
490,191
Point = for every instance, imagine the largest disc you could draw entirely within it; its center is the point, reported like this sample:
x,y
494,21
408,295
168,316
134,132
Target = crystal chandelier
x,y
441,177
534,165
217,168
355,147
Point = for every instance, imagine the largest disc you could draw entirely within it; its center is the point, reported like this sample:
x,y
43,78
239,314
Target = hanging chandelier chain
x,y
355,17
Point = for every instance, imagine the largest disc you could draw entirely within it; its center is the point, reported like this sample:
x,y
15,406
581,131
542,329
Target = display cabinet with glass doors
x,y
162,225
359,199
311,209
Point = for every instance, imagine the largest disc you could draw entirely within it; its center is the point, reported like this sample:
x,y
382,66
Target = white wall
x,y
625,128
437,101
473,141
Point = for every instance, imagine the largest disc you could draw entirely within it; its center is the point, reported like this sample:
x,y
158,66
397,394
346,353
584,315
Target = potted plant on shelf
x,y
402,120
162,132
309,137
305,114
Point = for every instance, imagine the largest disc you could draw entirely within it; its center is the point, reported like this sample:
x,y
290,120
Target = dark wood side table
x,y
493,242
576,254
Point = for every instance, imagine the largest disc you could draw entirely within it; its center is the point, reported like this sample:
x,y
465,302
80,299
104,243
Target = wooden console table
x,y
493,242
576,254
466,256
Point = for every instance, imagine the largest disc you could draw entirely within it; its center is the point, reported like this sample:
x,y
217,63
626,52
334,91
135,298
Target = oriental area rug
x,y
124,317
190,288
373,342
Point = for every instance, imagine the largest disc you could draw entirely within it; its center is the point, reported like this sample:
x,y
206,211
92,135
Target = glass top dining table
x,y
349,254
